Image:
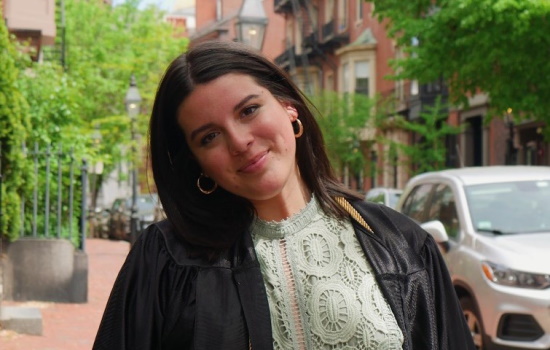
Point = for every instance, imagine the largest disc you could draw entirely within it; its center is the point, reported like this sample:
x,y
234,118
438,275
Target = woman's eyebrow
x,y
199,130
235,109
244,101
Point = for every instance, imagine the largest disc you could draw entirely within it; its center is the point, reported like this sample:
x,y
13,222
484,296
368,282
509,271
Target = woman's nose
x,y
239,140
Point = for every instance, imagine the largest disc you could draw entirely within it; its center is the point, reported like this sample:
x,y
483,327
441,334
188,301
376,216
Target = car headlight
x,y
502,275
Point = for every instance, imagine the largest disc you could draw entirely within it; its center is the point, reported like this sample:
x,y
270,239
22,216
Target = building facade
x,y
338,45
219,20
32,22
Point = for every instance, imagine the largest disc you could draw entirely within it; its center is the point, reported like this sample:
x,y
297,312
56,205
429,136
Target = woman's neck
x,y
285,204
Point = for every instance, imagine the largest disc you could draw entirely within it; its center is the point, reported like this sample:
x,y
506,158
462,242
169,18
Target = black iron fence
x,y
56,205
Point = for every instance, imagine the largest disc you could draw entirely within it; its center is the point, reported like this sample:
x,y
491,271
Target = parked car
x,y
121,212
493,224
384,195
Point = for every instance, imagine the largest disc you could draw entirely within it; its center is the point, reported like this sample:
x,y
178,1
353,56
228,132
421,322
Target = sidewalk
x,y
73,326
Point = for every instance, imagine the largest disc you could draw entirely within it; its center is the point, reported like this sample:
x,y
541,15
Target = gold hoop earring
x,y
202,189
300,129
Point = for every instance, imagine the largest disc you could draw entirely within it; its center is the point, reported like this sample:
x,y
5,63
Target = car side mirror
x,y
436,229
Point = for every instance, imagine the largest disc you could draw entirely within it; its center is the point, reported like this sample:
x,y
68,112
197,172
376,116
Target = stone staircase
x,y
25,320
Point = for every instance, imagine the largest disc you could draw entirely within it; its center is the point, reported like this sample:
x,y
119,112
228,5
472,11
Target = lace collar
x,y
295,223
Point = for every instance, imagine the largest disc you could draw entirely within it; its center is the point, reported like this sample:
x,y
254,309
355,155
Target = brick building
x,y
31,21
219,20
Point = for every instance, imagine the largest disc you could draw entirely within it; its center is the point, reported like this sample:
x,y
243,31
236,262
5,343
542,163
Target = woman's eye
x,y
208,138
249,110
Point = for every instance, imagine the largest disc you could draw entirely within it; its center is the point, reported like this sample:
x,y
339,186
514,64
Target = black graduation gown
x,y
163,299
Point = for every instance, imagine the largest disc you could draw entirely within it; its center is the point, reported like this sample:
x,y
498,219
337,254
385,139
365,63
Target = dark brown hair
x,y
213,222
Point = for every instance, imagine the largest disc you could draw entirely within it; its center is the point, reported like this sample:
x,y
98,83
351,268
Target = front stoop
x,y
24,320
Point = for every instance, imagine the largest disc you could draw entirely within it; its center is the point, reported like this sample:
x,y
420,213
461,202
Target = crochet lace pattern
x,y
321,289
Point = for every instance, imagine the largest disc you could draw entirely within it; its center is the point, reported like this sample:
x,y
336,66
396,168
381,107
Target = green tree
x,y
14,123
344,119
115,43
67,105
496,46
432,129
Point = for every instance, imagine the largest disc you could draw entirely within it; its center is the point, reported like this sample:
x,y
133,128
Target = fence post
x,y
59,184
1,233
35,191
83,209
71,194
47,198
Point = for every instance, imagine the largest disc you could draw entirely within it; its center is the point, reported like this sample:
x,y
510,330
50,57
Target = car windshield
x,y
145,203
510,207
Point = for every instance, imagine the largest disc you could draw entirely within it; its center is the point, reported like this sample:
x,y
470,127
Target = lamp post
x,y
133,101
251,23
511,150
96,171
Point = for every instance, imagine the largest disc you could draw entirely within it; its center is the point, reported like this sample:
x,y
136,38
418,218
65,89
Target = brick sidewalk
x,y
73,326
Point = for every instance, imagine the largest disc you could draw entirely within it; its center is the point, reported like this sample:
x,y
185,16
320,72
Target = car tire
x,y
473,320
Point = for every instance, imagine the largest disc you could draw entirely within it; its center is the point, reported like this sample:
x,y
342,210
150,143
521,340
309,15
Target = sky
x,y
163,4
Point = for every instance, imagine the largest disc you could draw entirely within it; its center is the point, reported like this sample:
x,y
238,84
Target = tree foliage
x,y
432,129
343,119
500,47
115,43
14,124
61,107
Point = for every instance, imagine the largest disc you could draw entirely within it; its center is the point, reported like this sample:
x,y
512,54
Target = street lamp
x,y
96,171
251,23
511,150
133,101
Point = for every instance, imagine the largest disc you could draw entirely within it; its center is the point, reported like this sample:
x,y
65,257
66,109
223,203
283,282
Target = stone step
x,y
25,320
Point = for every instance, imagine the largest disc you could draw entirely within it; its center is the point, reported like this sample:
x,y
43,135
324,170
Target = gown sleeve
x,y
148,284
452,330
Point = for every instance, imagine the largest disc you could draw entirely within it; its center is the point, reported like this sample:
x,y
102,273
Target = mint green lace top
x,y
321,289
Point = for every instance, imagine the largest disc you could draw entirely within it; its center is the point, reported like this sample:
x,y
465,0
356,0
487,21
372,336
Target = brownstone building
x,y
223,20
338,45
31,21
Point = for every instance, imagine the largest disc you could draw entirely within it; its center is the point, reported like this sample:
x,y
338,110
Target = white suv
x,y
493,226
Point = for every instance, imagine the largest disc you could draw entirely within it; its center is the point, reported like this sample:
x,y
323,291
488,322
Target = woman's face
x,y
242,137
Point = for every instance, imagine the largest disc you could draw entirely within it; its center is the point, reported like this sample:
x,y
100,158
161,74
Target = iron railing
x,y
49,212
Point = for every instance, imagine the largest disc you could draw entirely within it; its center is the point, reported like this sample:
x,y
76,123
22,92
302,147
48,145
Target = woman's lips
x,y
254,164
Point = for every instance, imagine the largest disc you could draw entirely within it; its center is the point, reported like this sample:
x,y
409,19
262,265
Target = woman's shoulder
x,y
163,238
389,224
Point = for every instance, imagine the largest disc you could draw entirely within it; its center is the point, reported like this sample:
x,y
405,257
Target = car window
x,y
376,198
510,207
443,208
415,204
393,198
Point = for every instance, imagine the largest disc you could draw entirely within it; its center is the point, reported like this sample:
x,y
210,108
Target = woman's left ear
x,y
291,110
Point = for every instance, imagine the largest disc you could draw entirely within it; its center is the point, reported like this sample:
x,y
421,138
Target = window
x,y
443,208
359,10
415,204
414,87
362,77
329,10
342,14
345,78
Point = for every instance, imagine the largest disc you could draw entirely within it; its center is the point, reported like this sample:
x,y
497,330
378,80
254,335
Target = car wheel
x,y
473,320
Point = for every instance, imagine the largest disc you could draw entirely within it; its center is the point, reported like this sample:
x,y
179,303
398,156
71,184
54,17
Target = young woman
x,y
263,248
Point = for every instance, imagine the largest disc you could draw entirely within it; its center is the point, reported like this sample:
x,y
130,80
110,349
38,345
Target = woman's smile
x,y
254,164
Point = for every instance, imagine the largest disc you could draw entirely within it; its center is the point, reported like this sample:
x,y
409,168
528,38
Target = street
x,y
73,326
